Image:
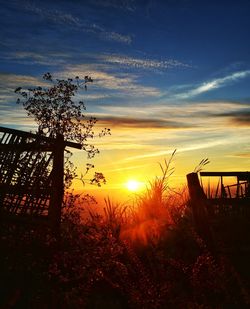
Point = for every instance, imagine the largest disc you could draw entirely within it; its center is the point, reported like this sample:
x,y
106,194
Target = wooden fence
x,y
32,176
205,208
198,203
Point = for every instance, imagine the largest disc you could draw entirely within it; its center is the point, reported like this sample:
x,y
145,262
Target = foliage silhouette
x,y
58,114
94,265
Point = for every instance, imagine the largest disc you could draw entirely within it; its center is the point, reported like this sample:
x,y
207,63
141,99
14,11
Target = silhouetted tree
x,y
57,113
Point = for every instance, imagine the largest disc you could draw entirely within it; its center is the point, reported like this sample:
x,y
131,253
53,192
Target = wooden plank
x,y
72,145
36,136
30,185
241,175
57,194
3,138
17,132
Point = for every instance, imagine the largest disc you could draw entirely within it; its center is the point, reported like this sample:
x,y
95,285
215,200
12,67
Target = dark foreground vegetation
x,y
145,256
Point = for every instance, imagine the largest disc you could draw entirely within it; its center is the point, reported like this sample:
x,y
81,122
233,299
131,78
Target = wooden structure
x,y
198,203
227,197
225,200
32,176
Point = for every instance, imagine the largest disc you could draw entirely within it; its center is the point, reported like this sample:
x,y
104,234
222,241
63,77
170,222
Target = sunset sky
x,y
168,75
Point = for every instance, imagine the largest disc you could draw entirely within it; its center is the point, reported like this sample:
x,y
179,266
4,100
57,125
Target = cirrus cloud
x,y
213,84
140,63
63,18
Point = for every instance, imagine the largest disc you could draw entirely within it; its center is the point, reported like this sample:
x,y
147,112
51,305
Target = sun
x,y
133,185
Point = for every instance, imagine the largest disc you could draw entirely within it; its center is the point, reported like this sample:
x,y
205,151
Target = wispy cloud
x,y
198,113
11,114
62,18
130,167
129,122
238,117
176,125
127,5
139,63
9,82
115,36
162,153
15,80
242,155
213,84
118,82
15,116
28,57
54,15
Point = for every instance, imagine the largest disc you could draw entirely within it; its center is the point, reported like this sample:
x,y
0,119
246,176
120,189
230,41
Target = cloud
x,y
114,36
197,112
130,167
54,15
143,63
15,79
12,114
15,116
238,117
128,122
62,18
113,82
127,5
213,84
242,155
95,96
242,120
9,82
48,59
171,124
203,145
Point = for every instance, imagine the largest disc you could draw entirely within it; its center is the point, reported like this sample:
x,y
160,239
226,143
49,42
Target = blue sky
x,y
167,74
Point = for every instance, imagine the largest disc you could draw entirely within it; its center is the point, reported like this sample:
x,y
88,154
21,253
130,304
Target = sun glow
x,y
133,185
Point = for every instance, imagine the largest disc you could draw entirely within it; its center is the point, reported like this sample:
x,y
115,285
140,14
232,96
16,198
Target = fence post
x,y
57,193
199,210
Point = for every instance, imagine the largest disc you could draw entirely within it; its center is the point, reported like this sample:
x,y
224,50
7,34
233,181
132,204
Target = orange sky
x,y
130,153
167,75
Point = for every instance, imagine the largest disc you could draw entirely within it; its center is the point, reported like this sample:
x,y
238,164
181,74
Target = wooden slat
x,y
31,174
36,136
241,175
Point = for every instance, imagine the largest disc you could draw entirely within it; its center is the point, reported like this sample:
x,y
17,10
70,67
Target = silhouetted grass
x,y
141,255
